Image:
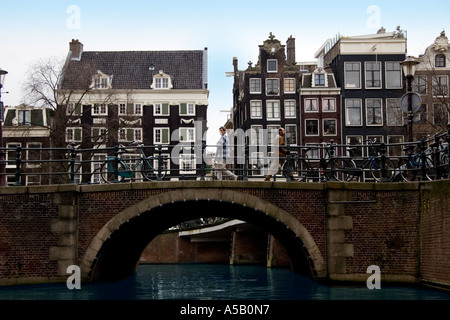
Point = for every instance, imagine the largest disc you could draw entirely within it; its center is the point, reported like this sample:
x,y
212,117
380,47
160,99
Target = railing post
x,y
448,147
288,163
332,164
245,173
202,165
116,164
423,158
18,165
437,156
159,176
383,162
73,155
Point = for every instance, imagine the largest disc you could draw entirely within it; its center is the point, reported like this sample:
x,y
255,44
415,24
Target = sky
x,y
35,30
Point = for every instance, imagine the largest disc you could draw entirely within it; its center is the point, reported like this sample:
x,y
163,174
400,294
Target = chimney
x,y
290,50
76,47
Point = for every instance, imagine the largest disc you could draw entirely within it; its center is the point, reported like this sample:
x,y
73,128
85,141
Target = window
x,y
312,127
98,134
319,79
34,154
328,105
311,105
255,109
100,109
423,113
329,127
11,154
187,109
289,85
291,134
272,87
130,134
161,109
138,109
101,83
272,65
352,75
440,86
272,132
374,113
440,114
393,75
353,112
393,112
187,163
256,135
187,134
73,109
122,109
73,134
439,61
355,140
420,85
272,110
289,109
161,83
373,75
96,162
394,150
255,85
161,135
24,117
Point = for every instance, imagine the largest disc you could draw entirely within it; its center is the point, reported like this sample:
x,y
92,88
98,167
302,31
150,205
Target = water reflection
x,y
216,282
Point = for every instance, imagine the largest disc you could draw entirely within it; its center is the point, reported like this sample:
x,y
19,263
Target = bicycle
x,y
115,169
316,169
411,168
373,163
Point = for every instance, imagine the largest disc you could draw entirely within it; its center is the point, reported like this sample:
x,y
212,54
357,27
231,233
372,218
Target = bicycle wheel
x,y
406,172
345,169
375,169
292,168
107,171
430,170
149,173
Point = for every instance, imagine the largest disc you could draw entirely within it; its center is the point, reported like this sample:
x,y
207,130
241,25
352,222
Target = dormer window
x,y
162,81
439,61
319,78
101,81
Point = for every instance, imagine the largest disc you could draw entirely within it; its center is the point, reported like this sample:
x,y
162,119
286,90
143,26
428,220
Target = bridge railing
x,y
367,161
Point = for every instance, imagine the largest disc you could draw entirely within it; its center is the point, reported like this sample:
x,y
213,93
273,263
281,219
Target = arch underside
x,y
115,251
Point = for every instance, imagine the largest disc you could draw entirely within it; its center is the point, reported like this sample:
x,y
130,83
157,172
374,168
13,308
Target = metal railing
x,y
422,160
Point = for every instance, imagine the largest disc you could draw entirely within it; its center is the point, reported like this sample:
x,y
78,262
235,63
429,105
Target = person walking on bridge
x,y
222,154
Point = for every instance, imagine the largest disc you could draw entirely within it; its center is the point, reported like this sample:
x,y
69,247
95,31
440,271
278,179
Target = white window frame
x,y
190,109
256,109
352,86
399,72
293,85
8,152
289,131
324,103
161,109
103,134
122,109
188,132
367,112
292,108
276,66
97,109
73,134
189,158
275,112
256,135
156,135
308,103
32,164
273,93
390,111
96,161
374,72
347,113
138,109
335,127
306,127
257,81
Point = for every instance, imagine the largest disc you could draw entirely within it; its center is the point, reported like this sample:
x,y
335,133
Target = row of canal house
x,y
351,94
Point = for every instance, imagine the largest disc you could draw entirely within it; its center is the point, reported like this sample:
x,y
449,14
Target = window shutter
x,y
78,109
130,134
10,115
165,136
165,108
37,118
130,108
95,133
183,108
77,134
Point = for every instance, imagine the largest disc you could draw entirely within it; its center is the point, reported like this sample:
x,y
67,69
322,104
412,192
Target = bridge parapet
x,y
342,228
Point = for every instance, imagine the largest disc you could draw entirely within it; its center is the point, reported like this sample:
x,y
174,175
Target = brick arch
x,y
194,194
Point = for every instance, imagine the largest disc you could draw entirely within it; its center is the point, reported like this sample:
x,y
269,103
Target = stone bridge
x,y
331,231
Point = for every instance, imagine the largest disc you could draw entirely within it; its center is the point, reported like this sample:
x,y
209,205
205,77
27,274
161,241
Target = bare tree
x,y
61,89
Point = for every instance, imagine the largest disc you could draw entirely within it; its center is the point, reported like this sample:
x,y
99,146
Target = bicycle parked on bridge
x,y
116,169
315,169
355,169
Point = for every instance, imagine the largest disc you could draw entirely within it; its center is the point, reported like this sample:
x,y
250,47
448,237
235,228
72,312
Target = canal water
x,y
217,282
